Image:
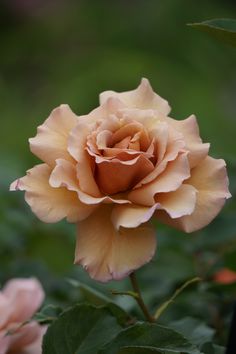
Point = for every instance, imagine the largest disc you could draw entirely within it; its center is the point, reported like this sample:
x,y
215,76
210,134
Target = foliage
x,y
223,29
69,54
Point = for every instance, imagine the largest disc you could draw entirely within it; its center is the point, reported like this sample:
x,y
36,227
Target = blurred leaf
x,y
90,294
122,317
48,314
230,260
81,329
210,348
97,298
149,338
164,306
194,330
223,29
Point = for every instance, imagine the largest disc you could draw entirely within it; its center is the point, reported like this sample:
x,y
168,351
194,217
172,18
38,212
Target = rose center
x,y
120,161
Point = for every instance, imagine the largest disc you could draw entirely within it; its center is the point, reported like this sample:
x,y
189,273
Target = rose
x,y
19,300
110,171
225,276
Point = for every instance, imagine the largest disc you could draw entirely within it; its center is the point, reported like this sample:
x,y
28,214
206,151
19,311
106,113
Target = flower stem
x,y
139,298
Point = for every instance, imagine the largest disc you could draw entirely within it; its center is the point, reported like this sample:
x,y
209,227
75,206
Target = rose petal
x,y
126,130
143,97
36,346
178,203
168,181
5,310
189,128
4,342
105,114
103,139
64,175
211,182
123,144
48,203
169,143
108,254
148,118
131,216
50,143
25,296
76,146
114,176
161,135
24,336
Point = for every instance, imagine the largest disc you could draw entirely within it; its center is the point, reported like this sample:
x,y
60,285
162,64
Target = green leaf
x,y
90,294
194,330
164,306
97,298
48,314
210,348
123,318
223,29
149,338
230,259
82,329
138,350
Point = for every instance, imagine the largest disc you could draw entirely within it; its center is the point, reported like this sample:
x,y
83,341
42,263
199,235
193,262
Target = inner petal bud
x,y
114,176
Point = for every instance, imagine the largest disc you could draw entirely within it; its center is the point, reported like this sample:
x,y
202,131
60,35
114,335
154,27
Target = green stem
x,y
139,298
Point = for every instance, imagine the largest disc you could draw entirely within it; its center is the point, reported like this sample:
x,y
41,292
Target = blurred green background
x,y
55,52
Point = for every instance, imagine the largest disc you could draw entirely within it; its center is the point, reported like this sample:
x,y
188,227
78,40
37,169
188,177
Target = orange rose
x,y
110,171
225,276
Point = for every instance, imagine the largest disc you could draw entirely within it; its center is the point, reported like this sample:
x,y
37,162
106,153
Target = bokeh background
x,y
55,52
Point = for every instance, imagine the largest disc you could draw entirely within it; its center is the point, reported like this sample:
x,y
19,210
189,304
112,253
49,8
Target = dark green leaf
x,y
210,348
194,330
151,338
223,29
82,329
97,298
48,314
90,294
122,317
230,260
138,350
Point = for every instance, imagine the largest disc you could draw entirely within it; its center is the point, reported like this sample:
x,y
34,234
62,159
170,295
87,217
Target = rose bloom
x,y
110,171
225,276
19,300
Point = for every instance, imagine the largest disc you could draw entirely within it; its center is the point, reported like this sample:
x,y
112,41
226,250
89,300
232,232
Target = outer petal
x,y
4,342
25,297
168,181
143,97
131,216
24,336
64,174
50,143
5,311
36,346
108,254
178,203
211,182
189,128
48,203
